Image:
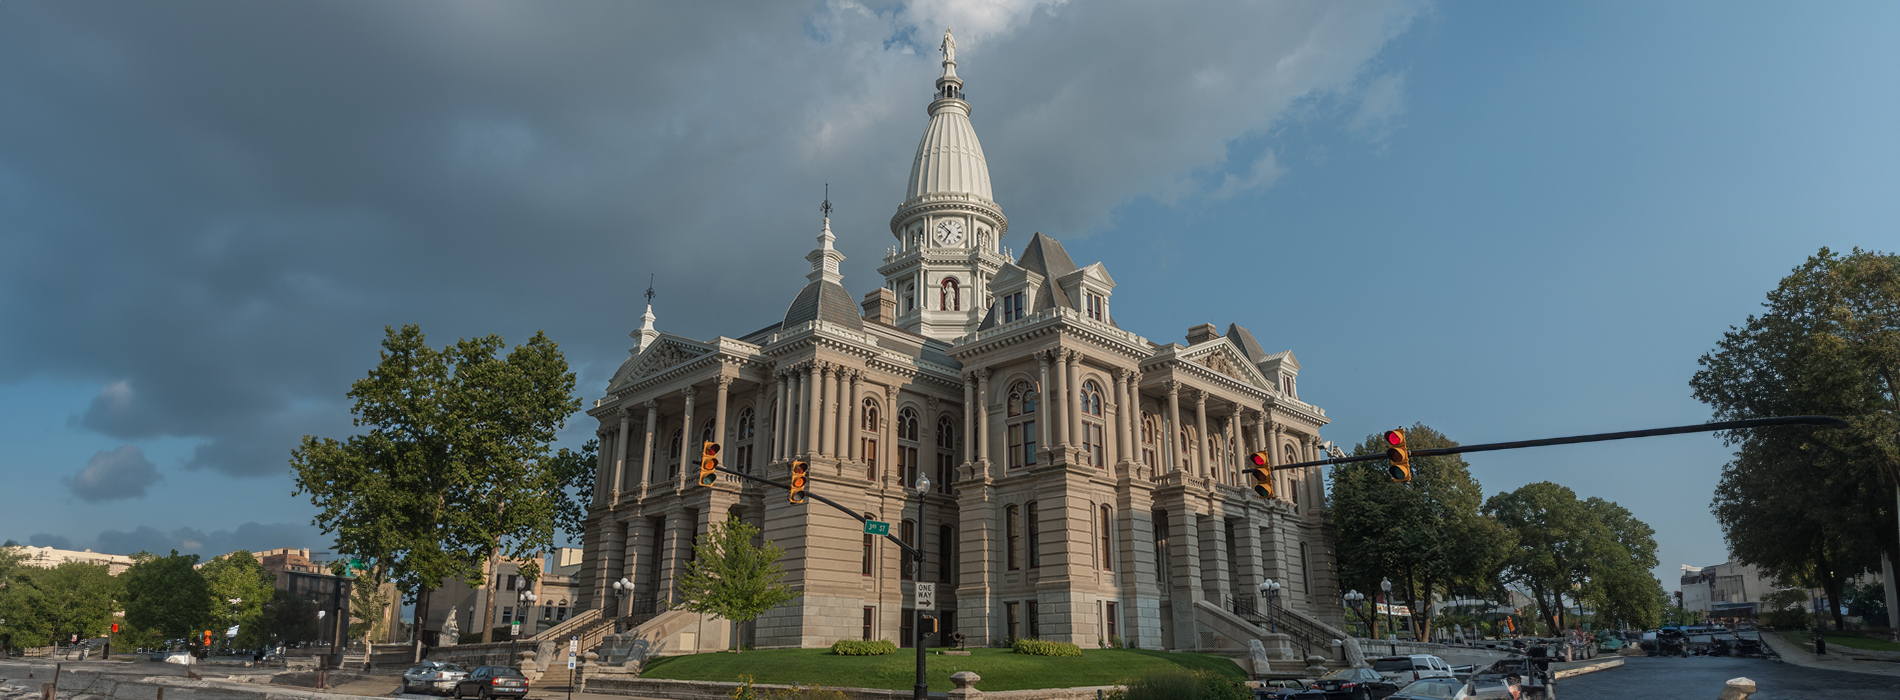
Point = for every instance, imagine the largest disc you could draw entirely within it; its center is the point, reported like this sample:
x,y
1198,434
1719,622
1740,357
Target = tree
x,y
367,604
1428,536
455,468
1593,552
288,619
732,578
168,595
238,576
48,606
1827,342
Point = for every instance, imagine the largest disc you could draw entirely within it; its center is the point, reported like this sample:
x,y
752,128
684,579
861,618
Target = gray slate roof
x,y
1243,339
824,301
1044,256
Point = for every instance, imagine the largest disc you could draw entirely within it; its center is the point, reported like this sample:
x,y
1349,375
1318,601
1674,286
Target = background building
x,y
1728,589
48,557
555,596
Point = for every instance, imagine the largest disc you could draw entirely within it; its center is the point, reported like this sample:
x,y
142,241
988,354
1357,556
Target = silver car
x,y
432,677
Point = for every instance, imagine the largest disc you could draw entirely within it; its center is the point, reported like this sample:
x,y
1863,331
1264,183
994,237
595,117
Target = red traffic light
x,y
1262,473
1395,437
799,481
1399,457
1261,459
708,461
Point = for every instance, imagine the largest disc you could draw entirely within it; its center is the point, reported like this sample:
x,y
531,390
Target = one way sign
x,y
926,596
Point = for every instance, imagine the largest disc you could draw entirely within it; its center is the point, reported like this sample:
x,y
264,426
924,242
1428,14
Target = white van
x,y
1405,669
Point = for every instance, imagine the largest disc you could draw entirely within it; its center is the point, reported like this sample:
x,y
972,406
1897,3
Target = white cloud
x,y
1262,174
114,475
1381,104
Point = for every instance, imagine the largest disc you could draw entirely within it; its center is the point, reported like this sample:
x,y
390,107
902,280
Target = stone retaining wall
x,y
662,689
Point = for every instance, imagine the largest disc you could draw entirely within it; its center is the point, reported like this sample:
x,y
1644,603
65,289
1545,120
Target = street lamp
x,y
1353,599
526,599
1270,589
1386,585
922,689
622,587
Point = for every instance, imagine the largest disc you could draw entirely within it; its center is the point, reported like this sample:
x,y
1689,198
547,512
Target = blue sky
x,y
1507,221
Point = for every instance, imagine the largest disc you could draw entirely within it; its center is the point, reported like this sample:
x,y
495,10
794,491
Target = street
x,y
1702,678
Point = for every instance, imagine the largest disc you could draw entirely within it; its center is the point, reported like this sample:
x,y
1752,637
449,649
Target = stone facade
x,y
1087,482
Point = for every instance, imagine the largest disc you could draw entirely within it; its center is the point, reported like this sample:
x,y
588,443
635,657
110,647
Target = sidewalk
x,y
1804,656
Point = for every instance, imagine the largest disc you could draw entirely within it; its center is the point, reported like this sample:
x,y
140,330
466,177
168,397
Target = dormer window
x,y
1012,307
1096,305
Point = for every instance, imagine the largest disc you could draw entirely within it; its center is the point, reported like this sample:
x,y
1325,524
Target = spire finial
x,y
649,289
826,207
948,47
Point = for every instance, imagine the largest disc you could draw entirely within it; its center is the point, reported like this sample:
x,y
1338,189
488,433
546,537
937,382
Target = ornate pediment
x,y
1221,356
658,358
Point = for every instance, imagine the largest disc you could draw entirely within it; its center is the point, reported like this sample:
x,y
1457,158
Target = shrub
x,y
1037,647
858,647
1181,684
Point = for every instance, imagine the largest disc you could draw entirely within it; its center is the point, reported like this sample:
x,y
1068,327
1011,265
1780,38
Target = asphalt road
x,y
1702,678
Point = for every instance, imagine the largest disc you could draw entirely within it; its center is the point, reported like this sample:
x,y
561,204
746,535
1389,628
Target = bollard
x,y
1738,689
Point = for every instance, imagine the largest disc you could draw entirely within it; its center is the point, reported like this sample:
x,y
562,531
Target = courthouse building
x,y
1087,481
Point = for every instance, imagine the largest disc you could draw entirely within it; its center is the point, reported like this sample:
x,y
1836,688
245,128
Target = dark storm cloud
x,y
213,209
113,475
54,541
249,536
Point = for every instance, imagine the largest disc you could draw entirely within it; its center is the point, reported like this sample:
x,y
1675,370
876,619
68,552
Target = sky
x,y
1503,220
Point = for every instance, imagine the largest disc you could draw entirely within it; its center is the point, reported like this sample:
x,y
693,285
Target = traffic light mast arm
x,y
1818,421
912,551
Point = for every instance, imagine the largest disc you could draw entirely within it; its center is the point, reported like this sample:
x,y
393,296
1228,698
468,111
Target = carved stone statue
x,y
948,47
451,632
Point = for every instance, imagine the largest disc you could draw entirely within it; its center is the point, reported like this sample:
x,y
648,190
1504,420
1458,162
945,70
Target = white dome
x,y
949,158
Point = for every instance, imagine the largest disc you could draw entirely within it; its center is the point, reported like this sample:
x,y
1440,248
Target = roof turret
x,y
949,158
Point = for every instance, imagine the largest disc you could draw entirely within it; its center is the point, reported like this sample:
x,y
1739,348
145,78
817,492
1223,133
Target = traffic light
x,y
115,628
799,470
927,625
708,460
1262,473
1401,458
207,639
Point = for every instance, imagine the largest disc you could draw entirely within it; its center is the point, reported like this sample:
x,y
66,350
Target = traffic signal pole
x,y
908,550
1817,421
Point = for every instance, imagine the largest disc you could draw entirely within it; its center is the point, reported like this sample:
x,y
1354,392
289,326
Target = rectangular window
x,y
870,621
1029,443
867,555
946,470
869,452
907,627
946,553
1035,539
1011,621
907,531
1012,531
507,614
1107,531
1016,445
907,464
1110,619
1095,306
1035,629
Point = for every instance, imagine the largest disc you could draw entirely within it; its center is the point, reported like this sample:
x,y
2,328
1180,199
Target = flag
x,y
231,632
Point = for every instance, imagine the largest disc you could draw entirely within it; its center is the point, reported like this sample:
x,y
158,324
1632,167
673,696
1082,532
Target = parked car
x,y
1283,689
1405,669
491,682
1434,689
432,677
1354,684
1531,674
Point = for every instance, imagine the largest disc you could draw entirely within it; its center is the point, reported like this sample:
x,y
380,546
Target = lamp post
x,y
1386,585
1353,599
922,689
622,587
526,600
1270,590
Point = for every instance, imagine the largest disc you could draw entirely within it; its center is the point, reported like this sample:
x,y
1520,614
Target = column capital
x,y
890,393
653,404
688,392
722,381
1200,398
1174,389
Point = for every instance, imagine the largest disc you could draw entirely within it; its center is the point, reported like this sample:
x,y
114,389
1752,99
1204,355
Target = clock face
x,y
949,232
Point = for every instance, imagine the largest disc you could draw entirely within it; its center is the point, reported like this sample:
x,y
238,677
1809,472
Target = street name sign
x,y
874,527
926,596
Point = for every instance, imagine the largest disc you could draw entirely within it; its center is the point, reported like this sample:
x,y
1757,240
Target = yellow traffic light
x,y
1401,458
928,625
799,470
1262,472
708,460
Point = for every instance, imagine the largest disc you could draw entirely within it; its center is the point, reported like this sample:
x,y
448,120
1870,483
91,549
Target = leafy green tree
x,y
367,603
1428,536
732,578
1867,601
1827,342
47,606
455,469
288,618
238,576
168,595
1593,551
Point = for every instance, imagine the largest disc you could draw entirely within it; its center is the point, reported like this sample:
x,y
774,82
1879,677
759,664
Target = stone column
x,y
1249,565
646,452
615,551
687,436
969,417
809,406
602,462
783,410
1260,437
1124,451
720,399
1072,408
1200,437
983,415
1057,410
620,452
1046,433
847,414
887,439
1173,444
1134,419
640,549
1184,574
1213,532
761,429
675,547
824,417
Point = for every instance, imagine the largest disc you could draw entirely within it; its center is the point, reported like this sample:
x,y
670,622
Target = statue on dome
x,y
948,47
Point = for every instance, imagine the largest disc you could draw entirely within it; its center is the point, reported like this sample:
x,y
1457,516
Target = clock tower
x,y
949,229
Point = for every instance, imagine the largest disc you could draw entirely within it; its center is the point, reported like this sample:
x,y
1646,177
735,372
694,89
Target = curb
x,y
1592,668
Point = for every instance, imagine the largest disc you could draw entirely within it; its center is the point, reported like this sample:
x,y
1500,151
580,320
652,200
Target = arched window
x,y
706,433
870,545
1013,536
1148,446
1292,482
950,297
674,445
742,454
907,446
1188,448
1034,526
1107,528
867,440
1217,457
946,451
907,531
1022,425
1093,427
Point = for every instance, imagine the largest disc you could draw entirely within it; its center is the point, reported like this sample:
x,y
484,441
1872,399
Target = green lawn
x,y
1806,641
1000,668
